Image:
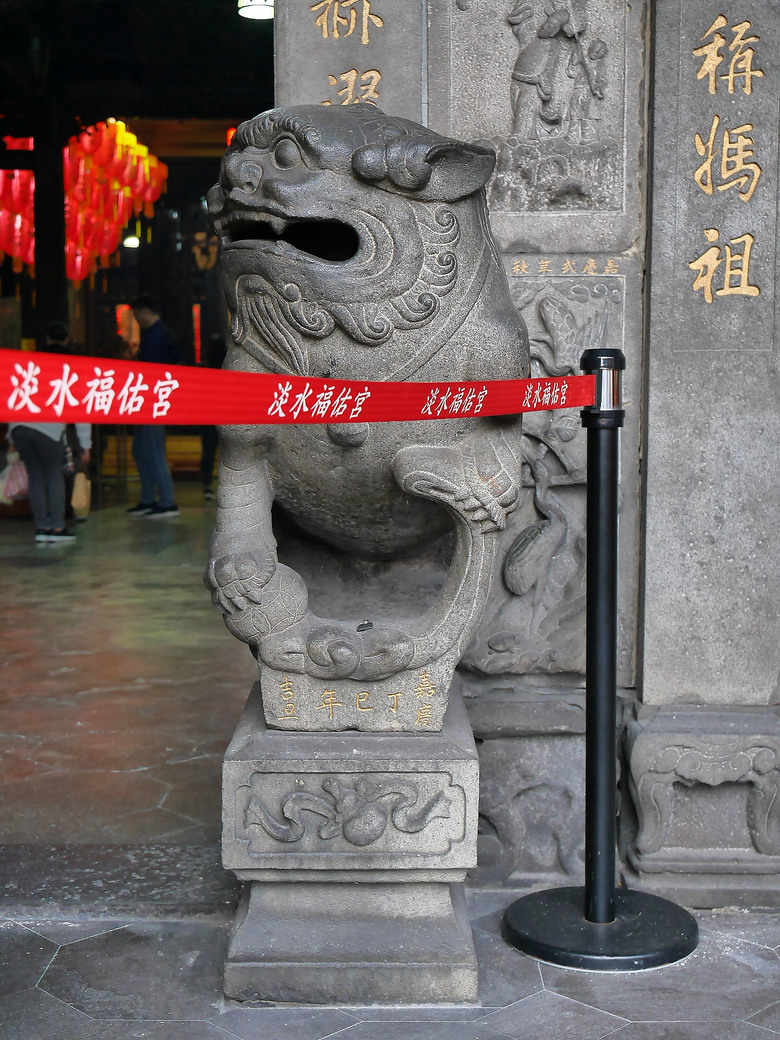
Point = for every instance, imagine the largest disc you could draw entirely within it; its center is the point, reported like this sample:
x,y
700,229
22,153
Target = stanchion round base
x,y
647,931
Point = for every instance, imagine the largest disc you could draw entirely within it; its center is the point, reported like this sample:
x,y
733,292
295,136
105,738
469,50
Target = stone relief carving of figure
x,y
552,156
553,80
537,98
588,83
356,245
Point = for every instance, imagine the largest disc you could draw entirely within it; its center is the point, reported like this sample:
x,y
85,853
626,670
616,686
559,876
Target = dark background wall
x,y
179,74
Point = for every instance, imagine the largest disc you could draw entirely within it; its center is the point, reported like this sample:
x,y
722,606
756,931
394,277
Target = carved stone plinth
x,y
705,786
327,943
355,846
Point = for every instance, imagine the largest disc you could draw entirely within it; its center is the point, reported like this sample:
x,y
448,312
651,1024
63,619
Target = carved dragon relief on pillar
x,y
536,620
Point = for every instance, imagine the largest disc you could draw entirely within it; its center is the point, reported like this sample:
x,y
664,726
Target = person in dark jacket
x,y
158,345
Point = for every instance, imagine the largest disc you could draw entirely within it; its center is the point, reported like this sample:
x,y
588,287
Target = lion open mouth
x,y
330,240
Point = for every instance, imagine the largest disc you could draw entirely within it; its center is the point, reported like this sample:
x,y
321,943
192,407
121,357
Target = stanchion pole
x,y
601,927
603,423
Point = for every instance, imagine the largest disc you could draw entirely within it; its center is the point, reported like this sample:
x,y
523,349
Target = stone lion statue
x,y
355,245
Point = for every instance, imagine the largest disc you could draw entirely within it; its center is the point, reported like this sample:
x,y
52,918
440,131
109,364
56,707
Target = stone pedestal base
x,y
705,784
355,846
341,943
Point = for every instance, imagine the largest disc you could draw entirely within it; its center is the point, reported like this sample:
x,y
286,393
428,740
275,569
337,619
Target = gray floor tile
x,y
151,971
419,1014
490,922
268,1023
504,974
768,1018
690,1031
51,808
24,957
112,881
418,1031
729,978
33,1015
489,901
758,926
154,1031
547,1016
64,932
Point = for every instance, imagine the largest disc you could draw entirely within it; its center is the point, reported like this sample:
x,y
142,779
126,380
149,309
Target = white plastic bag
x,y
14,483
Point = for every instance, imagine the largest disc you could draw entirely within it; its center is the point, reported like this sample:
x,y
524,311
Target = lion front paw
x,y
238,579
483,496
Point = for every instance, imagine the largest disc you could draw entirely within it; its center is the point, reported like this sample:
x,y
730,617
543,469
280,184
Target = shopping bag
x,y
81,497
14,483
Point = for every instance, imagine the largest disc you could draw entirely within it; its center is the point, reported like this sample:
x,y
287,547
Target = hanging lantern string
x,y
109,177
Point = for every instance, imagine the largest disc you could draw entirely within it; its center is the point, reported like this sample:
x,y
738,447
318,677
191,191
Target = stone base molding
x,y
355,847
704,783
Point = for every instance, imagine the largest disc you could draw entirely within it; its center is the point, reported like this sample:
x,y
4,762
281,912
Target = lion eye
x,y
287,154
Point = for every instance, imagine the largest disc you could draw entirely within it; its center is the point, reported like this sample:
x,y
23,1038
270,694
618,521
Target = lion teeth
x,y
278,224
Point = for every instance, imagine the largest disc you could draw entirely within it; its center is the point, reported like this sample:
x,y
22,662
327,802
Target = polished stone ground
x,y
120,690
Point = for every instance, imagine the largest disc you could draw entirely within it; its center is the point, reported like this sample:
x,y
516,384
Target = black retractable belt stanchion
x,y
601,927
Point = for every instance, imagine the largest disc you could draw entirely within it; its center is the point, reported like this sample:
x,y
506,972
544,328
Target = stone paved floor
x,y
119,690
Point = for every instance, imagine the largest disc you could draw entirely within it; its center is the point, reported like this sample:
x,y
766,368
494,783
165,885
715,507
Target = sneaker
x,y
42,534
61,535
208,495
158,511
142,509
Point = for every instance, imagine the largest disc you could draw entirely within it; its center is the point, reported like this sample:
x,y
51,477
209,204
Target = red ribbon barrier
x,y
56,388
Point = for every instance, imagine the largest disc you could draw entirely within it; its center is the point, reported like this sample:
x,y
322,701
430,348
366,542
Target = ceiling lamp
x,y
256,8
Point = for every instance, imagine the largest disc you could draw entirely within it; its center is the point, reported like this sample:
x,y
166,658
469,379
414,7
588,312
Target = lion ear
x,y
442,172
458,170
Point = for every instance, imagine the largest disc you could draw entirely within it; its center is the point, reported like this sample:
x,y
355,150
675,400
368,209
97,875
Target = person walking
x,y
158,345
41,447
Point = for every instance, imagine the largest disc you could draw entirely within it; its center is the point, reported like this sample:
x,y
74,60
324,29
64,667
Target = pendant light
x,y
256,8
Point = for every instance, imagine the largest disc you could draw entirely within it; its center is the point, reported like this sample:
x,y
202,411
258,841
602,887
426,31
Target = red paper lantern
x,y
108,178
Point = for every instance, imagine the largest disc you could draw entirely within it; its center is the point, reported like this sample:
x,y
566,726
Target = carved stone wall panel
x,y
532,802
558,93
536,621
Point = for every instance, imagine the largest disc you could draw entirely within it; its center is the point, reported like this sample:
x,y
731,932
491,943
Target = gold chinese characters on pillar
x,y
352,53
340,20
728,157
